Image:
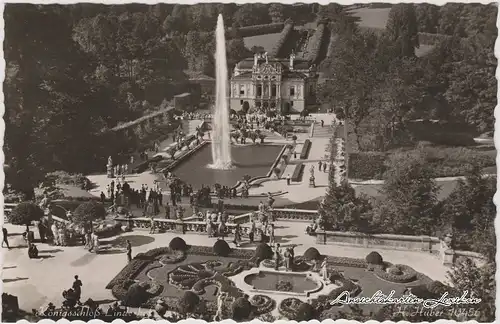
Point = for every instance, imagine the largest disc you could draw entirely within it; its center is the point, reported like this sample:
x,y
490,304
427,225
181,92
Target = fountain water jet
x,y
221,142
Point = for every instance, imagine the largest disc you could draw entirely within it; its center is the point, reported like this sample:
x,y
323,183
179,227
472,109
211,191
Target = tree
x,y
88,212
427,17
402,28
25,213
188,302
480,283
410,193
276,12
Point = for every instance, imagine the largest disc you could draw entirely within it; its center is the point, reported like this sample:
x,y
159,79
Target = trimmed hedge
x,y
221,248
314,45
297,172
374,258
312,254
305,149
263,252
285,33
178,244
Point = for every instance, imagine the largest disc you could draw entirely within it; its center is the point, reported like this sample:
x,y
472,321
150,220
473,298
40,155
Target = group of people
x,y
288,256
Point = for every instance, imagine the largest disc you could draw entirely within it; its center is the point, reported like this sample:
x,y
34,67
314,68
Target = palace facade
x,y
265,84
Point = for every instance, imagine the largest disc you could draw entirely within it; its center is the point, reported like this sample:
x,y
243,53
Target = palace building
x,y
265,84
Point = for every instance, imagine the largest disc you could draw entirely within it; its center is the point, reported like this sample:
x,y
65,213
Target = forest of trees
x,y
380,84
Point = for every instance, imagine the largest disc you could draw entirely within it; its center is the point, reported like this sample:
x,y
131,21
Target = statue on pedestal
x,y
312,183
109,167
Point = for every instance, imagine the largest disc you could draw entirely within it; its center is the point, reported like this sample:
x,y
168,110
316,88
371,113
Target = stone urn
x,y
312,183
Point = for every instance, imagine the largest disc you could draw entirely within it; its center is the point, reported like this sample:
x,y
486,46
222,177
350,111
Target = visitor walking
x,y
129,251
252,231
287,259
222,230
77,288
5,237
287,179
237,235
320,165
322,123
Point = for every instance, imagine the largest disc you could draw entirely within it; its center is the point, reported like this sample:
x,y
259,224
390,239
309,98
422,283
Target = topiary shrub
x,y
136,295
241,309
305,312
188,302
312,254
178,244
263,251
25,213
221,248
374,258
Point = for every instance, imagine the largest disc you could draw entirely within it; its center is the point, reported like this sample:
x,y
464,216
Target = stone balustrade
x,y
294,214
179,226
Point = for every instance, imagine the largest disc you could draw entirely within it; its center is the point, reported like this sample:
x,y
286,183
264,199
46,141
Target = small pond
x,y
297,282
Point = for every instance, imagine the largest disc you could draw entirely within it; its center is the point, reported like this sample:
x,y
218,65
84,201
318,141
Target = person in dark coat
x,y
5,237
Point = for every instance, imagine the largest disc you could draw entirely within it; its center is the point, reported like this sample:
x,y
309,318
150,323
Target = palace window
x,y
273,90
242,90
292,91
241,102
259,90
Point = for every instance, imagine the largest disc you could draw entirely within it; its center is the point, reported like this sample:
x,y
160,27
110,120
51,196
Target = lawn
x,y
266,41
375,18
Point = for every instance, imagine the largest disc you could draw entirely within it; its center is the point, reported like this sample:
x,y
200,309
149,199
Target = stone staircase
x,y
323,132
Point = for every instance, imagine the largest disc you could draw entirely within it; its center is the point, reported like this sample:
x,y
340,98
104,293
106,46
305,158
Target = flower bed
x,y
305,149
347,262
398,273
289,306
262,304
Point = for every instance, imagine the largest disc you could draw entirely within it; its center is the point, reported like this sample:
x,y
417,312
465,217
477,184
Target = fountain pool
x,y
255,161
300,283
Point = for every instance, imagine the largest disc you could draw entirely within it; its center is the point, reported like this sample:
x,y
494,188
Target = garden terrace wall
x,y
305,149
381,241
285,34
